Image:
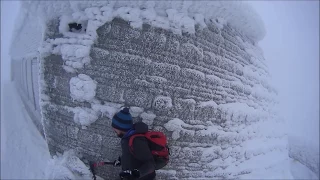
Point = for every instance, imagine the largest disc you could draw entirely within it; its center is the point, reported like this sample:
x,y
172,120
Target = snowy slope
x,y
24,153
27,38
305,152
300,171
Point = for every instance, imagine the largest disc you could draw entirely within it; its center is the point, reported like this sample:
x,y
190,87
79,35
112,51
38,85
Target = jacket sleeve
x,y
143,154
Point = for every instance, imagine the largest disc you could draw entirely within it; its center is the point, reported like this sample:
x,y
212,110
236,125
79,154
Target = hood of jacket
x,y
140,127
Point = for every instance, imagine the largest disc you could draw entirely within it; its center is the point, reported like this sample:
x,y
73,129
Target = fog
x,y
9,12
291,49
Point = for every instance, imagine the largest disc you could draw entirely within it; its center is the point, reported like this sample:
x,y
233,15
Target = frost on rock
x,y
242,112
220,22
199,19
67,166
175,126
157,79
136,111
214,80
108,109
208,103
82,88
69,69
162,103
148,117
179,16
178,128
75,55
191,52
180,21
83,116
74,51
192,73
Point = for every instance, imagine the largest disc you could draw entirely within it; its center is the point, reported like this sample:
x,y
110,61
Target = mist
x,y
291,49
9,12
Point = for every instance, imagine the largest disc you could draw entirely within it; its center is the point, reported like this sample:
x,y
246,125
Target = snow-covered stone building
x,y
190,69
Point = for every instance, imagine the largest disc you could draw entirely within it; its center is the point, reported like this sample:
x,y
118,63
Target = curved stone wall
x,y
208,92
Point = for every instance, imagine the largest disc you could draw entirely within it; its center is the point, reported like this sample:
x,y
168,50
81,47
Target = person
x,y
139,164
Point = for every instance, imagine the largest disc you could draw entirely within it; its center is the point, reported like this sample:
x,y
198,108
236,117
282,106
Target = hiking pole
x,y
92,171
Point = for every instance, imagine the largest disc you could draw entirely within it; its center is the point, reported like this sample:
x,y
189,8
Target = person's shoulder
x,y
139,141
139,138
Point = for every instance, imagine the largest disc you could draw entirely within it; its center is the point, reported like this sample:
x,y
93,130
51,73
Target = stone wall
x,y
164,74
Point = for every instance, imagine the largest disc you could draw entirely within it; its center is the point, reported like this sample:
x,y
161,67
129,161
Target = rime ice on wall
x,y
201,82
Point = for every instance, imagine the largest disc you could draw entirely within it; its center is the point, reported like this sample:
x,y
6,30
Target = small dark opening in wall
x,y
75,27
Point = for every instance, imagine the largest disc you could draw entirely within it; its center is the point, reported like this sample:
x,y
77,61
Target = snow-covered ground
x,y
24,152
304,151
300,171
25,155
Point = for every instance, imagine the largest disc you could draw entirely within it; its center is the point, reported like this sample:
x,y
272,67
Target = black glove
x,y
128,173
117,162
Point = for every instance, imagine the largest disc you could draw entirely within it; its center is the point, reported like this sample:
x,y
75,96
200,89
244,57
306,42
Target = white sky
x,y
291,49
9,12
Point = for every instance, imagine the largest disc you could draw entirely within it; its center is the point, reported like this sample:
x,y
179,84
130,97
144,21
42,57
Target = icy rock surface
x,y
82,88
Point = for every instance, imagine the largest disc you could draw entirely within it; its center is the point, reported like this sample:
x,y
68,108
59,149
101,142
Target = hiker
x,y
139,164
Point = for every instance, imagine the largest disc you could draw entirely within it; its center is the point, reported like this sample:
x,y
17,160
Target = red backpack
x,y
158,146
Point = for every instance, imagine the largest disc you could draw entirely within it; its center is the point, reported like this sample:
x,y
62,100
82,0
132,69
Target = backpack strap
x,y
131,141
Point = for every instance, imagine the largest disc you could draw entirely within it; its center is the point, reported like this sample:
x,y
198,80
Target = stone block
x,y
62,85
53,60
57,128
98,54
52,30
111,142
213,28
138,98
125,34
90,138
72,132
172,45
191,53
192,74
103,31
184,108
153,41
205,112
162,103
109,93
